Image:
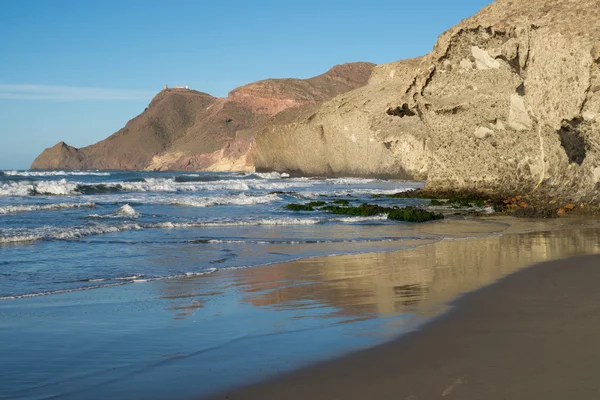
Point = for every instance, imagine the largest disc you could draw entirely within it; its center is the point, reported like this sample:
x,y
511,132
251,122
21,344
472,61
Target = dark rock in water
x,y
364,210
299,207
410,214
407,214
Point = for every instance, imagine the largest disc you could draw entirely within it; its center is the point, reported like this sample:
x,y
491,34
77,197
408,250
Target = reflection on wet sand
x,y
418,280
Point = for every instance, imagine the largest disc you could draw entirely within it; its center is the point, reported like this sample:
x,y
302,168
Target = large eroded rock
x,y
508,102
511,100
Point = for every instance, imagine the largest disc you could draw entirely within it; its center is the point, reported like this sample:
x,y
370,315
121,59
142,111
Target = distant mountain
x,y
184,129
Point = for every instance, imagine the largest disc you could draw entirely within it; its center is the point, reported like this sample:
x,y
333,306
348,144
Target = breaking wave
x,y
18,235
125,211
64,187
240,199
270,175
44,207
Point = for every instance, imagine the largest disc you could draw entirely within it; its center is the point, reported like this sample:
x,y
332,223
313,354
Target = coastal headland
x,y
506,104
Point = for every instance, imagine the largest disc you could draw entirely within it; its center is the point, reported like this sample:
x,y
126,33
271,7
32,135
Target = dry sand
x,y
533,335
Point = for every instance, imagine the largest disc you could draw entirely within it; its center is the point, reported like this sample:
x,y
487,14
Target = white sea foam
x,y
18,235
225,223
16,189
44,207
64,187
26,188
240,199
128,211
55,173
271,175
125,211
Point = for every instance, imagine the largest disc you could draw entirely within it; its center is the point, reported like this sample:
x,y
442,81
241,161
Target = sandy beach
x,y
532,335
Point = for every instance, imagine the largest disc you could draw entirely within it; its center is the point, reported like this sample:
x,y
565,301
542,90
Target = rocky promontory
x,y
508,102
184,129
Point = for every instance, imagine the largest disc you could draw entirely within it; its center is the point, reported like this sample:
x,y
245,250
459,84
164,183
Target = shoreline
x,y
204,335
506,225
530,334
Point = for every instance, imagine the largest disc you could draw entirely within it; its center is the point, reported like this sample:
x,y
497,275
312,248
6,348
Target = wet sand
x,y
532,335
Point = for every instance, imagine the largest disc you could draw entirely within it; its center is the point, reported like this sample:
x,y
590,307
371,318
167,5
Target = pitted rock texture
x,y
508,99
188,130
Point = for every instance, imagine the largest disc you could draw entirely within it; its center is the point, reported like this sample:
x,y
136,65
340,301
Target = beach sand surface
x,y
532,335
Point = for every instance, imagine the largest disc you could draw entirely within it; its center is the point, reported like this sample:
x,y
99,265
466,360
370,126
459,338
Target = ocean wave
x,y
27,188
24,235
64,187
270,175
125,211
240,199
44,207
20,235
55,173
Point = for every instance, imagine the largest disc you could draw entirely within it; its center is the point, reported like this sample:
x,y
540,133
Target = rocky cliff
x,y
188,130
508,102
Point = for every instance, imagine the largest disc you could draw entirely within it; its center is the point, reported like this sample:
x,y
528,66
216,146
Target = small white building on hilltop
x,y
186,87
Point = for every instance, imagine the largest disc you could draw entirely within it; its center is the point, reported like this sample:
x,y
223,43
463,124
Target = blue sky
x,y
77,71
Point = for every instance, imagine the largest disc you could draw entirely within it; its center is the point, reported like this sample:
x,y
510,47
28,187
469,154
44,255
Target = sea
x,y
63,231
163,285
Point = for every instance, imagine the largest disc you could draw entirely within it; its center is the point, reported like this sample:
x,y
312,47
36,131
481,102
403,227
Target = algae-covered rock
x,y
299,207
410,214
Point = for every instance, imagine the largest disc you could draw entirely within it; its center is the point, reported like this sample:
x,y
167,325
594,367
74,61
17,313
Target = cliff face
x,y
508,102
189,130
511,100
350,134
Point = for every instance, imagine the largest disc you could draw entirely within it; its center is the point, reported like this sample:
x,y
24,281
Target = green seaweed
x,y
411,214
407,214
364,210
299,207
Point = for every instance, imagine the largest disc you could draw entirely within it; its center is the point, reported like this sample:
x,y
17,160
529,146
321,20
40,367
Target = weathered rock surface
x,y
508,102
510,98
351,134
188,130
